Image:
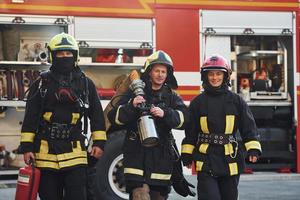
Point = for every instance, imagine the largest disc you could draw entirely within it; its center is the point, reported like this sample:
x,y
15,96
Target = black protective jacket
x,y
221,114
48,116
151,165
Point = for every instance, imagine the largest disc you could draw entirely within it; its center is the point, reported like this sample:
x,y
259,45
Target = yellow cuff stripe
x,y
99,135
117,116
181,117
27,136
187,148
253,145
160,176
133,171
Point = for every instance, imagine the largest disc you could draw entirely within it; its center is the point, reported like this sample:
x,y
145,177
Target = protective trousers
x,y
67,185
217,188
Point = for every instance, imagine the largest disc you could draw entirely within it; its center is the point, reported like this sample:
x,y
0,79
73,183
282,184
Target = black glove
x,y
187,159
179,183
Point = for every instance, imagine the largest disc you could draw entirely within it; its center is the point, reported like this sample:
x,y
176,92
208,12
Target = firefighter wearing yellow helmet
x,y
52,129
148,169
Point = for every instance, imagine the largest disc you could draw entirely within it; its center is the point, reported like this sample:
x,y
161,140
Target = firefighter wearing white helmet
x,y
217,114
148,169
52,129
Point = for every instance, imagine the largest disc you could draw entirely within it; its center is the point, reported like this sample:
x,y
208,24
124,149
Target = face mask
x,y
63,65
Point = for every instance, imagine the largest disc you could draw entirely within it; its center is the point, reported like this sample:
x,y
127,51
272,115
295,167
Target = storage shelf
x,y
259,54
93,64
12,103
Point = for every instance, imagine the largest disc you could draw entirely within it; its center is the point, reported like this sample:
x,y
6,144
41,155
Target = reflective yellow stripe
x,y
75,117
60,157
47,116
133,171
253,145
181,117
199,165
117,117
229,124
59,165
203,148
187,148
228,149
203,125
73,162
99,135
233,169
160,176
27,136
46,164
44,148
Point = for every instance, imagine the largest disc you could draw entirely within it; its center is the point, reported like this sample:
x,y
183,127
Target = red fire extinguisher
x,y
28,182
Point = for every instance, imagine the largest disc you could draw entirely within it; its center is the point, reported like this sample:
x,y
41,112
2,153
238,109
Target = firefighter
x,y
211,140
148,169
51,132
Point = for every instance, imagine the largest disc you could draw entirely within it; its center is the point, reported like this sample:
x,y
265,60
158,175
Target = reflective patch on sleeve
x,y
253,145
187,148
99,135
181,118
27,136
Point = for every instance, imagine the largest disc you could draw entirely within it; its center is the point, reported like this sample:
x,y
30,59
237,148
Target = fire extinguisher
x,y
28,182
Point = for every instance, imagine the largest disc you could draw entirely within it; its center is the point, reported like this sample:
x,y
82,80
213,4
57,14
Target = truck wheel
x,y
110,177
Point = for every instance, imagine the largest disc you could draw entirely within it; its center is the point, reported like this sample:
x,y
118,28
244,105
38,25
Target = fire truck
x,y
259,38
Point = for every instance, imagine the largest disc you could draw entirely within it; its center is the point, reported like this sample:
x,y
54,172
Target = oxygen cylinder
x,y
28,183
147,131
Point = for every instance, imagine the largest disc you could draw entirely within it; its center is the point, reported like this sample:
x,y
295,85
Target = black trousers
x,y
63,185
217,188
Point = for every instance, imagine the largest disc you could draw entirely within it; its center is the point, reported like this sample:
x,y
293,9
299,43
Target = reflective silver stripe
x,y
160,176
133,171
181,117
117,116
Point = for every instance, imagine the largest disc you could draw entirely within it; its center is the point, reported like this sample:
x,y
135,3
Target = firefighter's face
x,y
61,54
215,78
158,75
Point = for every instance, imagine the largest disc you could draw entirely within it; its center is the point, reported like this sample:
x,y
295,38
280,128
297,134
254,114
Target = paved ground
x,y
258,186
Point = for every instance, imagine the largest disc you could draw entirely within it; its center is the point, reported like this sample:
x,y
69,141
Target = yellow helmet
x,y
63,42
160,57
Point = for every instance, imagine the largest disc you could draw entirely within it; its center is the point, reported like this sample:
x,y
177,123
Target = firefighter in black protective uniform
x,y
148,169
216,115
51,133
